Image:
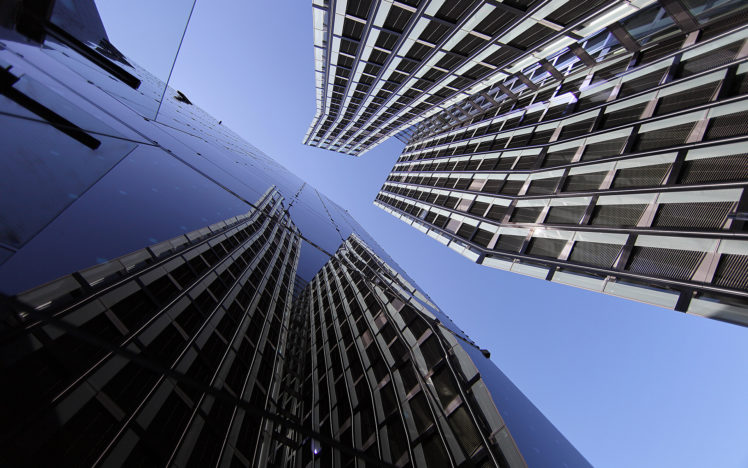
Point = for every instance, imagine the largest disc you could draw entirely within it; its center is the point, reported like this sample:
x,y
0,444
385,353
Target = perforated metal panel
x,y
532,118
440,221
641,84
472,165
462,183
724,24
558,158
623,116
617,215
564,16
527,214
492,186
576,129
646,176
691,97
465,430
519,140
580,182
727,126
660,50
504,164
603,149
525,162
595,253
478,208
667,263
663,138
466,231
511,187
740,86
555,112
482,237
510,243
545,247
543,186
609,72
722,169
709,60
539,138
732,272
496,212
565,214
692,215
592,100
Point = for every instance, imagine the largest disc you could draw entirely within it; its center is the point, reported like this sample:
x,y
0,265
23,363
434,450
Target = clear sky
x,y
630,385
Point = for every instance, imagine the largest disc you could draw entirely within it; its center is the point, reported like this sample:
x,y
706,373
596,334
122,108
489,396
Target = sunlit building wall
x,y
597,144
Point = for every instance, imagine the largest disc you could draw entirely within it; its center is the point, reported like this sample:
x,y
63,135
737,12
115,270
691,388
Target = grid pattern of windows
x,y
621,156
212,348
131,356
201,352
370,348
381,68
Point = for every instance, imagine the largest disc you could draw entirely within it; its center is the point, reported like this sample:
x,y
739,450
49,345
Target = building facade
x,y
595,144
170,296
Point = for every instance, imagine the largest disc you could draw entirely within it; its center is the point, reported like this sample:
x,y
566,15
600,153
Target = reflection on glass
x,y
171,296
98,38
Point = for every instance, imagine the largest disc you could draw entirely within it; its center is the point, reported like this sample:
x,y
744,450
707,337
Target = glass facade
x,y
172,296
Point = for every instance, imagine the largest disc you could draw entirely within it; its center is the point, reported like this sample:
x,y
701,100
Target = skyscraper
x,y
172,296
594,144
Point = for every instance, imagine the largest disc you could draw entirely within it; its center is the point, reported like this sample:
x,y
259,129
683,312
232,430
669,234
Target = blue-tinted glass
x,y
90,25
537,438
45,170
148,197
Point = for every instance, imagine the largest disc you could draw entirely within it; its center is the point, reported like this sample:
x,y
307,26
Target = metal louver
x,y
558,158
667,263
465,231
603,149
708,61
496,212
660,50
594,253
646,176
721,169
492,186
727,126
512,187
543,186
576,129
732,272
482,237
623,116
526,215
510,243
617,215
686,99
525,162
565,214
662,138
692,215
582,182
546,247
641,84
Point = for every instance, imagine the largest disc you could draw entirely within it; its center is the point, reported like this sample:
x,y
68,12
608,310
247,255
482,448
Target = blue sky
x,y
630,385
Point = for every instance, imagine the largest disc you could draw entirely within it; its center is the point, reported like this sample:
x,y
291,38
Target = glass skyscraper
x,y
597,144
170,296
